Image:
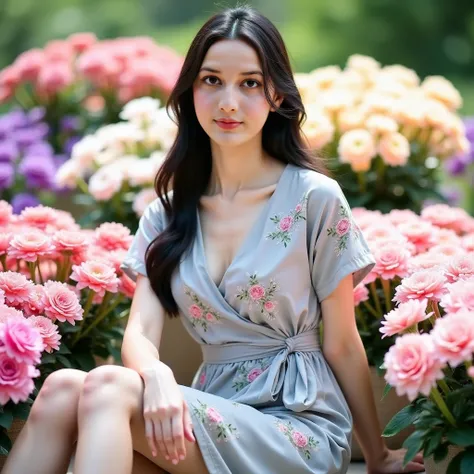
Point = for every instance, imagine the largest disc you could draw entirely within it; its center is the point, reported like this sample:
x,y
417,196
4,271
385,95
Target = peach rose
x,y
394,149
357,148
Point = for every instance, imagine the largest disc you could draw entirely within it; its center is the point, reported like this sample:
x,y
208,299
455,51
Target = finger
x,y
150,436
168,439
159,438
178,436
188,425
415,467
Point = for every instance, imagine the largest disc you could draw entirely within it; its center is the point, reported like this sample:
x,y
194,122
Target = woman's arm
x,y
142,337
345,354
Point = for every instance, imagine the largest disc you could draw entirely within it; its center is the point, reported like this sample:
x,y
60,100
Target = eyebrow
x,y
247,73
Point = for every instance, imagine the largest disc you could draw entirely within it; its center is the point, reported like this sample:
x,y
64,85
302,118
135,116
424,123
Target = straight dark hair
x,y
187,167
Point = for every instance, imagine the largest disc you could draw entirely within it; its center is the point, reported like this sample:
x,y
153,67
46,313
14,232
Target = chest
x,y
225,229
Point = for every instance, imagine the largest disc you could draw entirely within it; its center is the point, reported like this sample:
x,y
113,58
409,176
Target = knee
x,y
60,394
109,387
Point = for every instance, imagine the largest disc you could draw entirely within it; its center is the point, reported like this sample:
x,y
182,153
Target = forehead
x,y
231,55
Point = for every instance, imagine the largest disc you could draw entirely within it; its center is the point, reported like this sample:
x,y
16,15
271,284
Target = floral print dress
x,y
264,399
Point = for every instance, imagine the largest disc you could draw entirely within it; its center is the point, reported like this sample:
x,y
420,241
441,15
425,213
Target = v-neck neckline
x,y
249,234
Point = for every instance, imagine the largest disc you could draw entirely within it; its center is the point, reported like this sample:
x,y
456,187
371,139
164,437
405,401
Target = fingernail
x,y
182,457
167,457
175,461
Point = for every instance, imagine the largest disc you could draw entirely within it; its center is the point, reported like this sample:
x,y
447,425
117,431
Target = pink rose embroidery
x,y
195,311
200,314
343,226
256,294
216,422
246,375
202,378
305,444
286,224
342,230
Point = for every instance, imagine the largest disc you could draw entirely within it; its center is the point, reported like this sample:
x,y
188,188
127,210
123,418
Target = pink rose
x,y
406,316
391,261
470,372
419,233
269,306
460,267
16,379
447,250
253,374
299,439
453,337
210,317
257,292
424,284
6,313
35,303
98,276
202,378
70,242
5,239
343,226
427,261
6,213
460,296
53,78
361,293
298,208
49,332
16,287
446,217
195,311
61,303
21,341
113,236
39,217
412,365
80,42
468,242
30,245
127,286
282,427
214,416
285,223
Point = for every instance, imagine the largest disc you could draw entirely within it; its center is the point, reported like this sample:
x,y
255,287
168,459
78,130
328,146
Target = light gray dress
x,y
265,400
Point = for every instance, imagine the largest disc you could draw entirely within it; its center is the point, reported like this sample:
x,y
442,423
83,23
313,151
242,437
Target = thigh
x,y
141,465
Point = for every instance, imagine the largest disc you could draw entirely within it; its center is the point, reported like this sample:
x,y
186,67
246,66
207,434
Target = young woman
x,y
254,248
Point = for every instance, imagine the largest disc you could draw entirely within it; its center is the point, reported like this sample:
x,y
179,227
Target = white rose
x,y
66,176
140,111
142,200
105,183
86,150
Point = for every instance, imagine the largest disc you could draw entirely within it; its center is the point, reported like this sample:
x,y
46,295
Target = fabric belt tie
x,y
299,389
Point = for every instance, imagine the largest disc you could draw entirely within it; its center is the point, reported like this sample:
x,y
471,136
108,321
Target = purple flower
x,y
36,115
40,148
70,123
8,151
16,118
39,171
25,137
22,200
7,175
456,166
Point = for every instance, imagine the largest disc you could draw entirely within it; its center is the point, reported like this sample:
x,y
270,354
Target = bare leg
x,y
111,426
47,439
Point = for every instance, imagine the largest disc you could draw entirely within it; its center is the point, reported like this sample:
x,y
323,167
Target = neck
x,y
239,168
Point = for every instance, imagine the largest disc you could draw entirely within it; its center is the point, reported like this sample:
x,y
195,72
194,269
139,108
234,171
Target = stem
x,y
386,290
100,317
87,307
3,259
31,268
438,399
39,271
375,296
435,307
444,386
362,183
371,309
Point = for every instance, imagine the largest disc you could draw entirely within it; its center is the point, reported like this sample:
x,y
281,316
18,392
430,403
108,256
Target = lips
x,y
227,121
227,124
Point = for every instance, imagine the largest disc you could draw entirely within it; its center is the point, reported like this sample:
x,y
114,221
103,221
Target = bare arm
x,y
346,356
142,336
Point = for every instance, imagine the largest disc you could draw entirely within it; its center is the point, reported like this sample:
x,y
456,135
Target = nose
x,y
228,101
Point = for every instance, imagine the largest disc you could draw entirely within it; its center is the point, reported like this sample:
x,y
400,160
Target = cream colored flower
x,y
351,118
318,129
441,89
324,77
377,103
389,86
363,64
402,74
379,124
357,147
436,114
409,112
86,150
105,182
332,101
351,80
140,111
394,149
68,173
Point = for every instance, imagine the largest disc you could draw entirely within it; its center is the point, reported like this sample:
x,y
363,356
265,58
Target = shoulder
x,y
319,188
155,212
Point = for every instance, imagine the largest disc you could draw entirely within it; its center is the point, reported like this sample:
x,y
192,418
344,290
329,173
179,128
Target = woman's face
x,y
229,88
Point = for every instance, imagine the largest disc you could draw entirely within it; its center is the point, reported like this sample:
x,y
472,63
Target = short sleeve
x,y
338,245
150,225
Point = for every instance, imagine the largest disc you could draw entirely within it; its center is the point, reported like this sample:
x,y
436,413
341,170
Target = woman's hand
x,y
167,419
392,463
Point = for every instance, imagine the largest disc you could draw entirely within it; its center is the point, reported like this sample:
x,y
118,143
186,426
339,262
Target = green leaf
x,y
65,361
461,437
404,418
440,453
63,349
5,443
454,466
70,329
467,462
86,361
386,390
6,419
22,410
413,445
434,441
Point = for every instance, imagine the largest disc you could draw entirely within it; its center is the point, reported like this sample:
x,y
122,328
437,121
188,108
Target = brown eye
x,y
209,80
254,82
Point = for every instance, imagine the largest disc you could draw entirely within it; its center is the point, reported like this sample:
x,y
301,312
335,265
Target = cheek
x,y
202,102
257,107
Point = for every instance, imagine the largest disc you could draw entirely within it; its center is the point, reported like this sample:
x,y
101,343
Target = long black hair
x,y
187,167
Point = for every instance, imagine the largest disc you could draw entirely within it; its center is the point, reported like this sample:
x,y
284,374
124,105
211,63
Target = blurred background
x,y
433,37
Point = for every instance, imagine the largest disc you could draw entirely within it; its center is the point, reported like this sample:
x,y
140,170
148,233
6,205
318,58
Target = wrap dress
x,y
264,399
